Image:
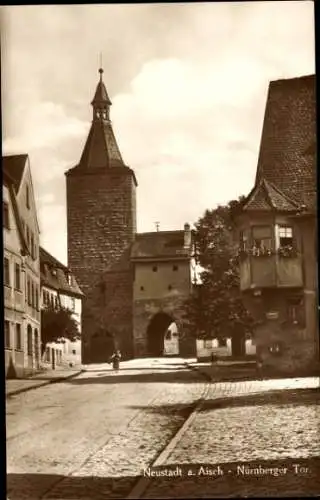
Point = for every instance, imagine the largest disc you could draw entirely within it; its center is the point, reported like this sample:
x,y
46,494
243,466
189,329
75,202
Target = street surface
x,y
92,436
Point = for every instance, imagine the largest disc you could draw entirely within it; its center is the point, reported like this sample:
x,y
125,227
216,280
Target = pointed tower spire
x,y
101,148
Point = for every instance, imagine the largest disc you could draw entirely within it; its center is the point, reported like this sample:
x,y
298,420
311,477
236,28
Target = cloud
x,y
45,125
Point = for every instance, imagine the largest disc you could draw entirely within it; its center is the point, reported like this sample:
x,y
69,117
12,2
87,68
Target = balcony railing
x,y
264,268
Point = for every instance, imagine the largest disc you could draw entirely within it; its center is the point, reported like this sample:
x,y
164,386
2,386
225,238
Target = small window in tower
x,y
155,269
170,287
175,268
142,288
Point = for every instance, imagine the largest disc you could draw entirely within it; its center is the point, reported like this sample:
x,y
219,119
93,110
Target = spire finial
x,y
100,69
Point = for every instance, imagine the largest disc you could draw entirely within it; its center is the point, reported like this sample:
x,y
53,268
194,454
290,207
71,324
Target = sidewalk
x,y
44,377
235,371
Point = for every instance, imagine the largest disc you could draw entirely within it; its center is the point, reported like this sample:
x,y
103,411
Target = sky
x,y
188,84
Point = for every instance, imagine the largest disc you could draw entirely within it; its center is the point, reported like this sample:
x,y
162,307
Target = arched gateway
x,y
162,336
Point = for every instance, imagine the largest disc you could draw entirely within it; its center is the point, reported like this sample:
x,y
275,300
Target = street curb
x,y
42,384
278,376
197,369
142,484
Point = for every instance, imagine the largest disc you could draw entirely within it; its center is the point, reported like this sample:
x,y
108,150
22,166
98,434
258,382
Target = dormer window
x,y
69,279
27,197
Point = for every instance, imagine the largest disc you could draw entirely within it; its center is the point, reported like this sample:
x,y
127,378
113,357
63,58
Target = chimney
x,y
187,236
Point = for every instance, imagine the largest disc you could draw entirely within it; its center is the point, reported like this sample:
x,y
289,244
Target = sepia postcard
x,y
160,267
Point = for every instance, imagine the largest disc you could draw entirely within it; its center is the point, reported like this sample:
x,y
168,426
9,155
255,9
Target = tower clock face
x,y
112,220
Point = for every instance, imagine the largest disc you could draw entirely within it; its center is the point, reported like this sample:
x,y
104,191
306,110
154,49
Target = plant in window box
x,y
287,251
261,251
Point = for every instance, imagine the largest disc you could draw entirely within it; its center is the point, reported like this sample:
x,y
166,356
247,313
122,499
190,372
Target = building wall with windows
x,y
278,231
162,282
222,348
59,289
21,269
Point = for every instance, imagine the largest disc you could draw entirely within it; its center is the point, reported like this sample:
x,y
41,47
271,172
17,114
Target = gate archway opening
x,y
163,336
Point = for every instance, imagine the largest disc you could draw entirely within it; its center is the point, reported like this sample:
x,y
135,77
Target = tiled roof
x,y
101,148
101,94
265,196
287,156
55,275
13,166
159,244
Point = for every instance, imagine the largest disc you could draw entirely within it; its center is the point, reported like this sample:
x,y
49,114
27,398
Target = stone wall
x,y
284,345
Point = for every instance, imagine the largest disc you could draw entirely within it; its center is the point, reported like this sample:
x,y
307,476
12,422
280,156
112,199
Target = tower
x,y
101,224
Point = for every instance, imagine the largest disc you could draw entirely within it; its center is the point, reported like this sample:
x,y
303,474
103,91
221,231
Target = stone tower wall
x,y
101,215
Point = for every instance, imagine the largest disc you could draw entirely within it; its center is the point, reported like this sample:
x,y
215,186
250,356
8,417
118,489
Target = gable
x,y
26,199
13,237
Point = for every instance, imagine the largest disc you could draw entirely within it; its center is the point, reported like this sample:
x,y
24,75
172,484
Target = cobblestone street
x,y
92,436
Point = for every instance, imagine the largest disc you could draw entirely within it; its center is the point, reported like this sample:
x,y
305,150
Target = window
x,y
32,244
207,343
222,342
56,303
73,304
48,354
142,288
27,197
7,338
6,272
155,269
17,283
33,298
170,287
295,309
18,337
29,292
243,241
175,268
37,299
74,352
29,340
285,236
261,236
5,215
69,279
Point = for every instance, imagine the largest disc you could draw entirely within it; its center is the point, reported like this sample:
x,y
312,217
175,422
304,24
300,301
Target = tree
x,y
58,324
215,308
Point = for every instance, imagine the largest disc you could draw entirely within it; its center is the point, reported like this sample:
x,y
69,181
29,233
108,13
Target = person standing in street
x,y
115,358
